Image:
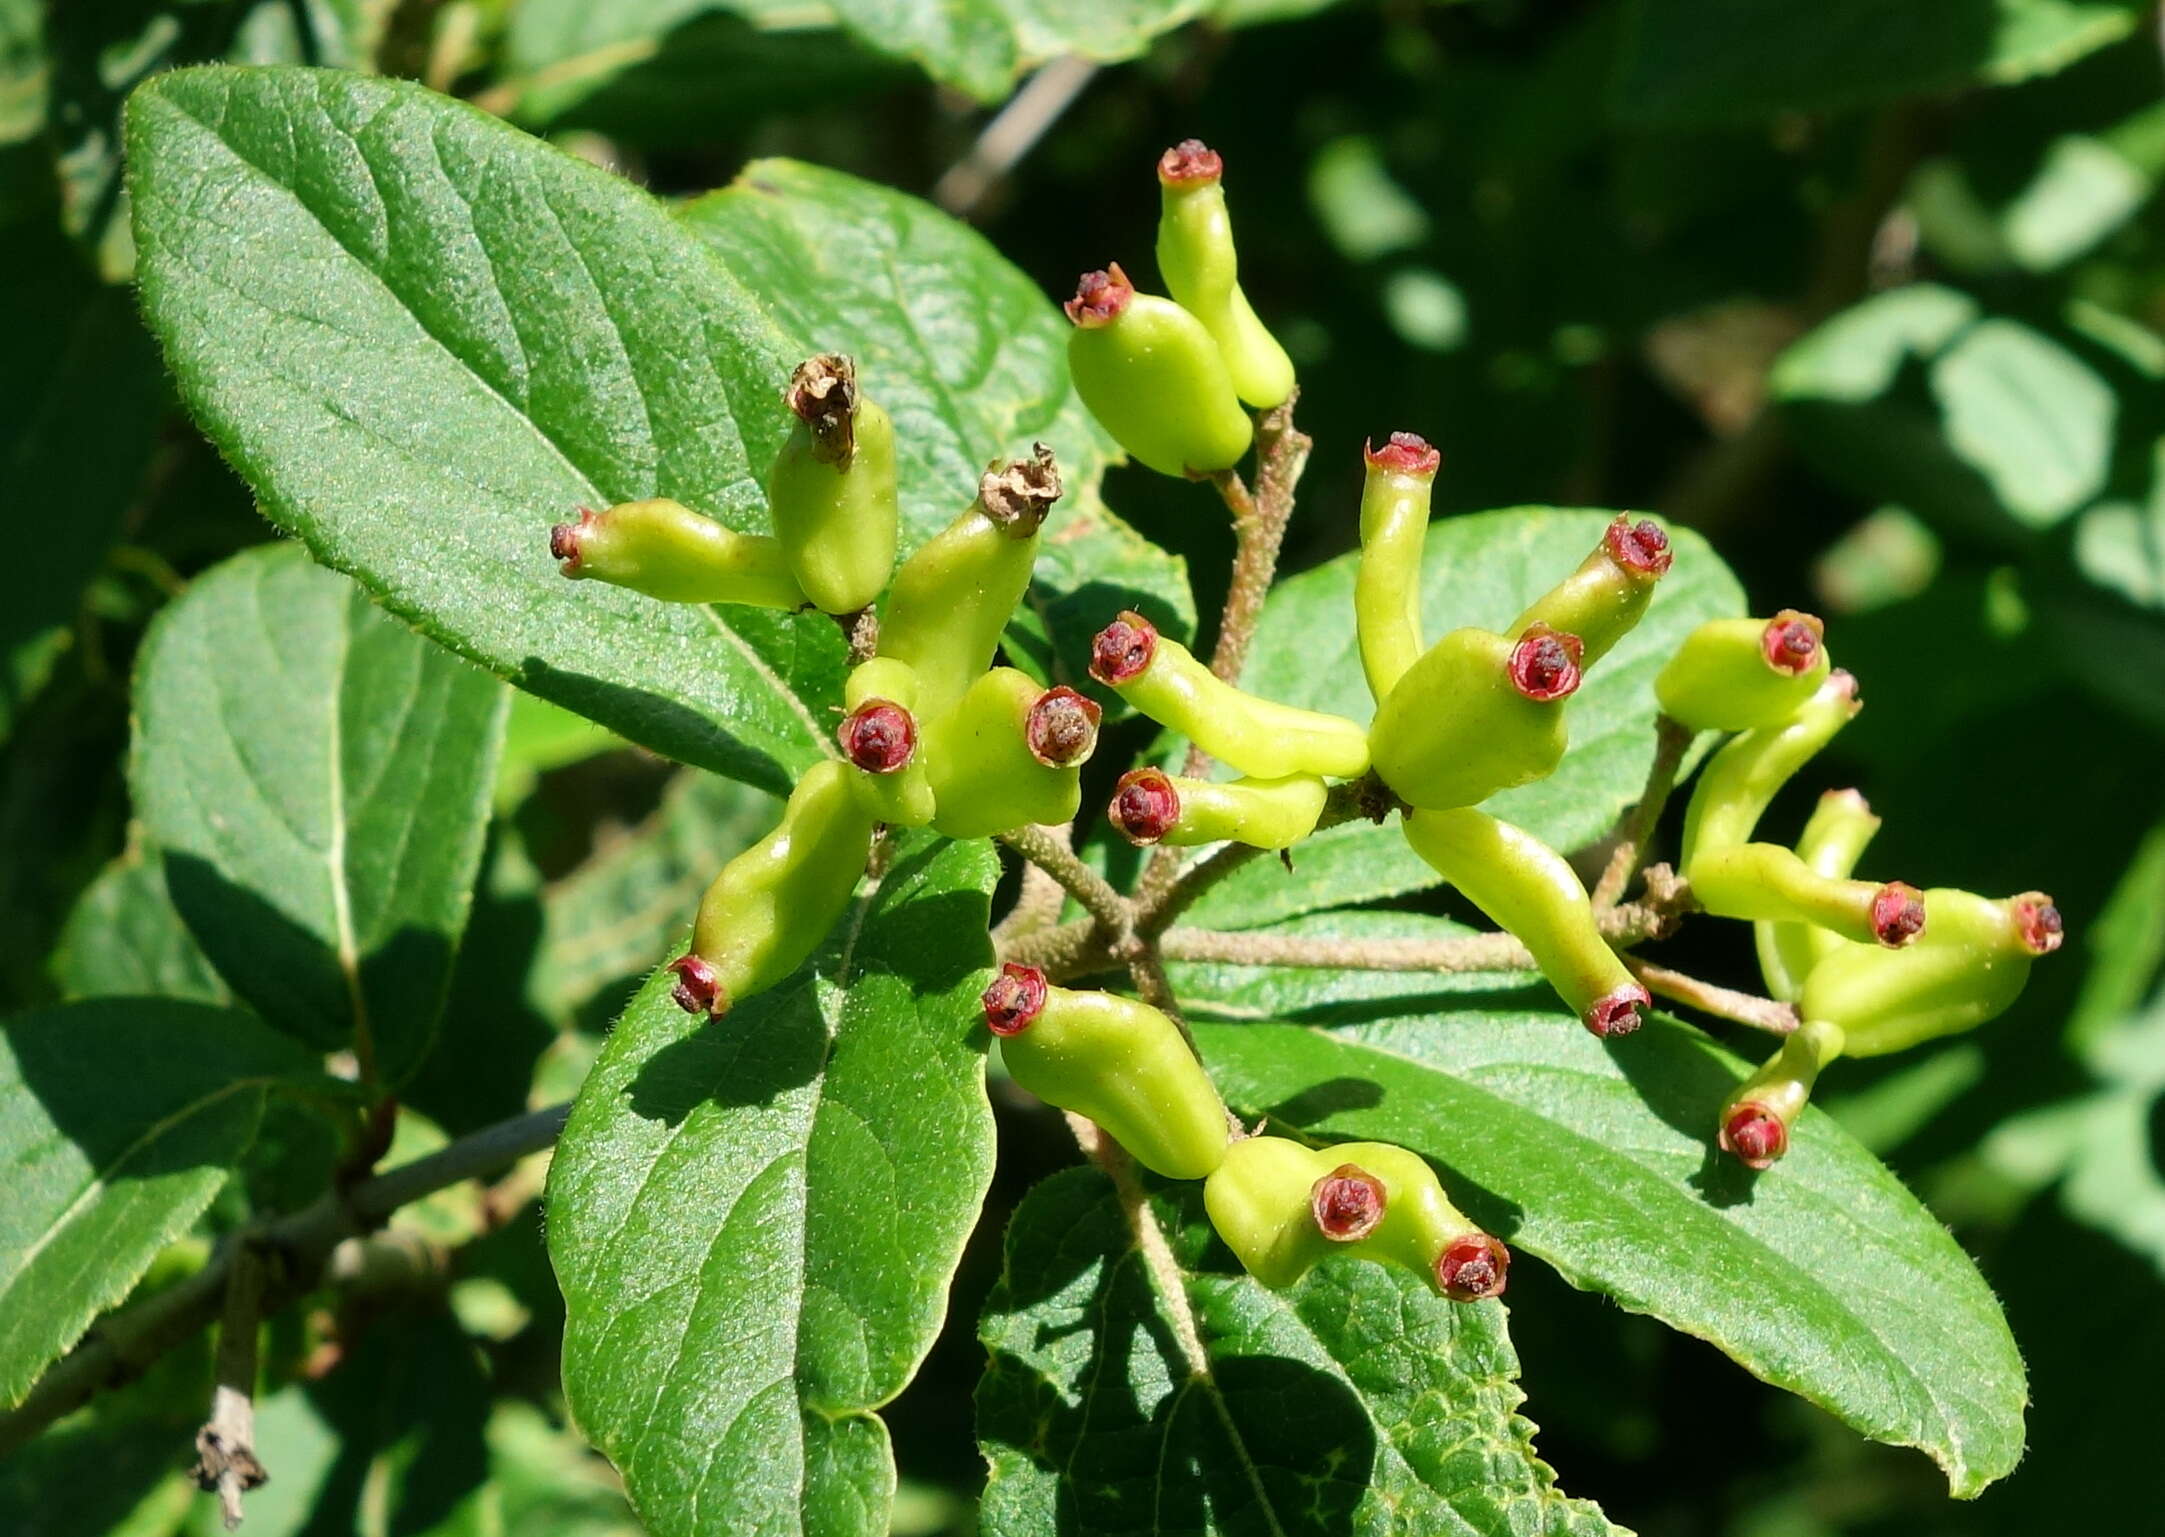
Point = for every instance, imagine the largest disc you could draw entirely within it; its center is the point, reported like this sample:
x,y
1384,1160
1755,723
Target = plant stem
x,y
122,1344
1110,912
1038,904
1156,909
1672,739
226,1458
1721,1002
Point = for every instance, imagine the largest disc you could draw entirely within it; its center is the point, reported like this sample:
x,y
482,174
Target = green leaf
x,y
1685,63
610,922
124,938
1979,422
1823,1275
318,779
1479,569
754,1219
1357,1400
424,337
969,357
119,1121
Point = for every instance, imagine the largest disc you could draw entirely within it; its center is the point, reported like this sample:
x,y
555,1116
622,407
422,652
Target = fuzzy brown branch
x,y
1672,740
1037,905
1722,1002
120,1346
1110,912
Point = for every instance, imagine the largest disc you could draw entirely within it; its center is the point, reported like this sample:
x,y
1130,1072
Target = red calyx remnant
x,y
1755,1134
1100,297
1015,998
1474,1267
1062,728
1640,548
1404,453
564,541
822,394
2037,923
879,736
1145,806
1347,1203
698,989
1791,641
1191,162
1545,664
1123,649
1617,1013
1897,914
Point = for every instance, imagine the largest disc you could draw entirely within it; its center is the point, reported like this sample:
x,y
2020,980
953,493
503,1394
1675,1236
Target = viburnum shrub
x,y
827,475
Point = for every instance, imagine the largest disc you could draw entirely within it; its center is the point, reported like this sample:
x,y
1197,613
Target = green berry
x,y
1259,737
1150,806
1831,844
1738,674
986,776
1478,713
1202,273
1756,1119
832,488
1115,1060
667,551
1152,376
773,905
1610,591
952,599
1281,1208
1394,526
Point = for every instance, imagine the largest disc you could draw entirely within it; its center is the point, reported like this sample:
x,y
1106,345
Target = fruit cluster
x,y
935,735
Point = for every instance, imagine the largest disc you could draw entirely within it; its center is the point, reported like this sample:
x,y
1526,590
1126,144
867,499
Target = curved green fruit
x,y
832,489
667,551
1478,713
1756,1119
1150,806
1117,1061
1152,375
984,775
1739,674
1609,593
1394,527
1202,273
1831,844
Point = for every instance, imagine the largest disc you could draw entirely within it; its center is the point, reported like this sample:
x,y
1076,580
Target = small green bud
x,y
1968,967
1154,807
1117,1061
1525,886
1259,737
1153,377
1281,1207
1609,593
1738,674
1832,843
1394,526
1478,713
984,766
1756,1119
832,488
952,599
774,904
667,551
1202,273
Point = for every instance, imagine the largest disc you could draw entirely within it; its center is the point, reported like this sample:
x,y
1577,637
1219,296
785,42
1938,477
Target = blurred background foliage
x,y
1873,295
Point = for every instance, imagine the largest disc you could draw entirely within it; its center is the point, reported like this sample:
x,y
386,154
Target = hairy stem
x,y
1037,905
122,1344
1110,912
1672,739
1722,1002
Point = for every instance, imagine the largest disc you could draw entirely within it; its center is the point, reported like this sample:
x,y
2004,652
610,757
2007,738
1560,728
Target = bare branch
x,y
1721,1002
1672,739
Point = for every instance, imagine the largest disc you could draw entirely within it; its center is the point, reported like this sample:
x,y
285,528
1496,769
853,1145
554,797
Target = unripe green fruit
x,y
774,904
1153,378
1831,844
879,735
1281,1207
952,598
667,551
1202,273
1739,674
1117,1061
1756,1119
1609,593
1741,780
1478,713
832,488
1967,967
1766,881
1394,527
1259,737
985,778
1154,807
1528,888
